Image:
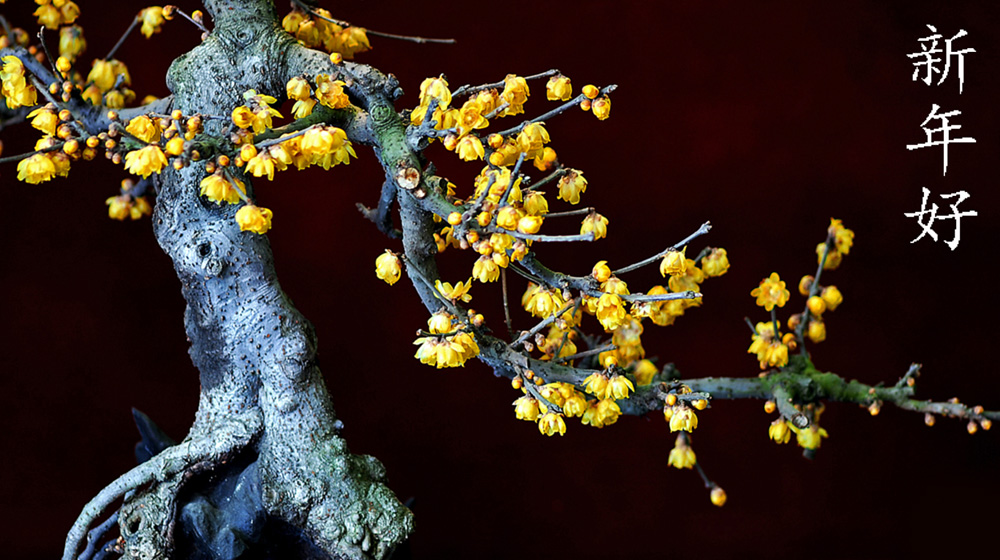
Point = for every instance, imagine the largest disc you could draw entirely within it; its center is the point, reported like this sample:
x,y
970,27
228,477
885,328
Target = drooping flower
x,y
515,94
388,267
778,431
254,218
145,161
715,263
526,408
674,263
552,423
152,20
571,185
601,107
558,88
596,224
219,187
457,292
681,456
36,169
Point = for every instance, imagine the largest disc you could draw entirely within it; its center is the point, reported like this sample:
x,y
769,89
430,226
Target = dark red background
x,y
766,119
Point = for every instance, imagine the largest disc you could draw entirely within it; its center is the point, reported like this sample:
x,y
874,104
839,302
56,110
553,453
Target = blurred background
x,y
766,118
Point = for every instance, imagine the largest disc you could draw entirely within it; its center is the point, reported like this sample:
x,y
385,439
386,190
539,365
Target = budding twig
x,y
705,227
131,26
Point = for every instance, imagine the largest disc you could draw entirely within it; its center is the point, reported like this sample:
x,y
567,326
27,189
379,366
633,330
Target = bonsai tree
x,y
265,465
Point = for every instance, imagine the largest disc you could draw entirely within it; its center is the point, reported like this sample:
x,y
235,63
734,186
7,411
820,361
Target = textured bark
x,y
262,394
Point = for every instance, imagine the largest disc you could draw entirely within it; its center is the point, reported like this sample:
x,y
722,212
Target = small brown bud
x,y
671,399
116,159
972,427
986,423
770,406
928,419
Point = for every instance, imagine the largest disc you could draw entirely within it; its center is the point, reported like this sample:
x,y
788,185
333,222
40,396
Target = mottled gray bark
x,y
262,392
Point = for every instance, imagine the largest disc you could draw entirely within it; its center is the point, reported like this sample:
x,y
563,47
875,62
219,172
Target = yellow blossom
x,y
535,204
458,292
485,269
254,218
526,408
715,263
817,330
610,311
544,302
832,297
607,412
15,87
440,322
558,88
843,238
243,117
260,165
529,224
330,92
810,437
601,272
146,161
591,91
470,117
36,169
388,267
644,372
551,424
470,148
833,258
771,292
532,139
779,432
545,160
601,107
435,88
515,94
674,263
102,74
152,20
49,16
619,387
44,119
597,384
144,128
596,224
303,108
681,456
71,42
298,89
218,188
590,417
683,418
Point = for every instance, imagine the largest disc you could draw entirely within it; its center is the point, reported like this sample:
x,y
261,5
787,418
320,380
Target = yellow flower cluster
x,y
53,13
126,206
320,32
16,89
448,345
256,112
325,146
103,76
843,239
152,19
769,349
145,161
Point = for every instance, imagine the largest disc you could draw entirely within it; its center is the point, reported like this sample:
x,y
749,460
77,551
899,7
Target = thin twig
x,y
410,38
705,227
470,89
543,323
506,307
131,26
585,353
